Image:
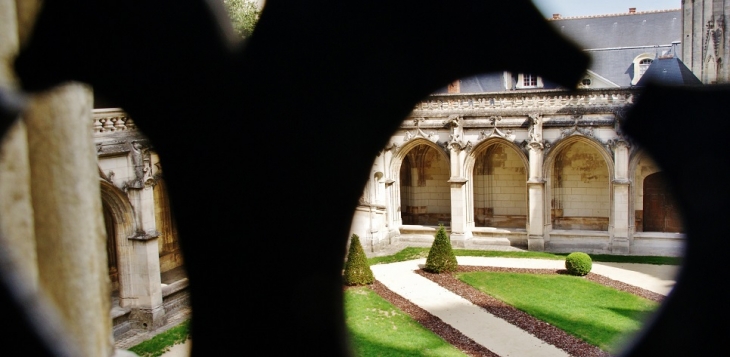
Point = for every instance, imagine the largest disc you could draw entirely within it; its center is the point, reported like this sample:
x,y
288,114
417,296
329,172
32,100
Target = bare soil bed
x,y
542,330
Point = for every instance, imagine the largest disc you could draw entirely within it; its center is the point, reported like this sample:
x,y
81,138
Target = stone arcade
x,y
505,159
143,254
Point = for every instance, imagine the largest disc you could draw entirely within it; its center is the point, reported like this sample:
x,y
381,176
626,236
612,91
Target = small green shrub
x,y
357,270
578,263
441,257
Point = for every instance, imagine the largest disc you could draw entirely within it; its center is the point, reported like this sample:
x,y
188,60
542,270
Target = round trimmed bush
x,y
578,263
441,257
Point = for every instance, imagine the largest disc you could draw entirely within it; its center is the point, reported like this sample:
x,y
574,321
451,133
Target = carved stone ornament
x,y
534,135
142,163
616,143
714,37
431,136
392,147
575,129
456,138
526,146
507,134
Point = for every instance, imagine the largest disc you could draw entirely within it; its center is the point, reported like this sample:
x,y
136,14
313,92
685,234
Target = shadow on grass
x,y
363,346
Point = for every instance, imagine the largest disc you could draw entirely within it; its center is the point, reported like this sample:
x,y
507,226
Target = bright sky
x,y
568,8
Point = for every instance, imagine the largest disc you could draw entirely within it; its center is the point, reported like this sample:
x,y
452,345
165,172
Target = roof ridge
x,y
611,15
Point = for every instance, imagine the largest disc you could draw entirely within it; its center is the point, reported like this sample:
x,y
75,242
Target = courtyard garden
x,y
381,323
600,313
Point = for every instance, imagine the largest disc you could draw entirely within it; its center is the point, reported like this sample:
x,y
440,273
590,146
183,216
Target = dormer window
x,y
528,80
641,64
644,65
586,82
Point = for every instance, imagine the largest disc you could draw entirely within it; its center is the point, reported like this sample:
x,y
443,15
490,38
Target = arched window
x,y
641,63
644,65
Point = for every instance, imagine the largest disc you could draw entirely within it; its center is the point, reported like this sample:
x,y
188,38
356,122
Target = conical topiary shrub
x,y
441,257
357,270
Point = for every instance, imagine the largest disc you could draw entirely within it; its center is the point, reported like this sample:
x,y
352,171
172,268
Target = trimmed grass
x,y
377,328
599,315
158,345
411,253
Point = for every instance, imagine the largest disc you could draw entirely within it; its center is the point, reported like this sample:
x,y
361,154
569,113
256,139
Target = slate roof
x,y
623,30
668,71
613,42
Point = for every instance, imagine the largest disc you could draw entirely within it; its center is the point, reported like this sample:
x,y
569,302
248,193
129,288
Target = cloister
x,y
542,169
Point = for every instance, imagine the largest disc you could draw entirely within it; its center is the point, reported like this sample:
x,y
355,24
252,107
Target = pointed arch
x,y
579,173
121,218
169,247
496,172
653,201
422,170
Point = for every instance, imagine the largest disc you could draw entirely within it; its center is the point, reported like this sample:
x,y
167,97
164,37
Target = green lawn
x,y
599,315
415,253
378,328
158,345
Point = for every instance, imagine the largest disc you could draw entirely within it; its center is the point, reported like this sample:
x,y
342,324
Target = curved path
x,y
488,330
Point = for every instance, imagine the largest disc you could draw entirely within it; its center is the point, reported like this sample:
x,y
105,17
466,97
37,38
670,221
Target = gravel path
x,y
542,330
433,323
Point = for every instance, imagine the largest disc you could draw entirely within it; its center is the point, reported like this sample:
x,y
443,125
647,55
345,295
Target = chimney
x,y
556,16
632,10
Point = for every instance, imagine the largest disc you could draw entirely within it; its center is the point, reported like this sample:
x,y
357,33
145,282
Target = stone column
x,y
147,309
390,205
17,237
536,188
620,238
457,150
459,232
69,227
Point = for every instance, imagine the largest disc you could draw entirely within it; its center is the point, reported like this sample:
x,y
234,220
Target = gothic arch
x,y
168,245
478,216
641,167
122,214
400,155
422,210
596,213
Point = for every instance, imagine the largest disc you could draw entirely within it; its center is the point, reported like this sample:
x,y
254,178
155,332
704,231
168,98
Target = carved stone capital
x,y
536,146
458,180
145,236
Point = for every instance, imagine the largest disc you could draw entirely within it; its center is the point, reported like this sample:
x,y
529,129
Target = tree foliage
x,y
244,14
357,269
441,257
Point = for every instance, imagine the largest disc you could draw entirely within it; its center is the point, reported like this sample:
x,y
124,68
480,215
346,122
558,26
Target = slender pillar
x,y
17,237
620,237
536,188
457,150
147,311
69,224
458,212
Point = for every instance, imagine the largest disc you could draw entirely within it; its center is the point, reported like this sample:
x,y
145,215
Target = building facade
x,y
144,258
510,159
707,46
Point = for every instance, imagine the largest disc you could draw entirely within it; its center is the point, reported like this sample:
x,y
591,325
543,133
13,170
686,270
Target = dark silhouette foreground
x,y
248,135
